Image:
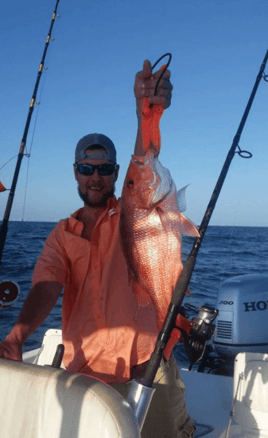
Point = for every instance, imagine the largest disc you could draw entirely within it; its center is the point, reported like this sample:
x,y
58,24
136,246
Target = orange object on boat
x,y
2,187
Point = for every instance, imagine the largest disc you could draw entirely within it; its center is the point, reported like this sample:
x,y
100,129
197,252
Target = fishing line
x,y
37,104
236,207
15,156
26,186
163,71
28,155
42,87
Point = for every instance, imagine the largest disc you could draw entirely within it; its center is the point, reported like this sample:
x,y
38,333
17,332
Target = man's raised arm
x,y
145,83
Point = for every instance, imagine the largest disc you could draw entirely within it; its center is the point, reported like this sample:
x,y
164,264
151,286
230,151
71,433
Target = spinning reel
x,y
201,331
9,293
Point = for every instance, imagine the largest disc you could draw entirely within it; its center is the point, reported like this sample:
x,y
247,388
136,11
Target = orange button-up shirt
x,y
105,331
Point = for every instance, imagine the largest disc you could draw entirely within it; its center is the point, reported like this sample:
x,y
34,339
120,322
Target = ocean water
x,y
224,253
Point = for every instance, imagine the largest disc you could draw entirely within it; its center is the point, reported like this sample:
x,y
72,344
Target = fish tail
x,y
151,116
155,131
145,124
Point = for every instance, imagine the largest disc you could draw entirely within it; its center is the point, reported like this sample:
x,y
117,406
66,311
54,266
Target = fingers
x,y
163,87
164,90
147,70
163,101
166,75
10,351
142,79
145,84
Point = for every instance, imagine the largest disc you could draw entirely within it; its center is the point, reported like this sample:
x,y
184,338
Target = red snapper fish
x,y
151,226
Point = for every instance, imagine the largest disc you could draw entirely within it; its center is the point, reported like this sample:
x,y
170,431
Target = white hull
x,y
209,397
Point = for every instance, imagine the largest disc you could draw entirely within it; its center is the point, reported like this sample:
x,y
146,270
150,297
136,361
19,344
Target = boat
x,y
213,400
233,405
50,400
53,402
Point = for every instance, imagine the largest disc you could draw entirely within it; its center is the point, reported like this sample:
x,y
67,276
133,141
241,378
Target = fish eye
x,y
130,183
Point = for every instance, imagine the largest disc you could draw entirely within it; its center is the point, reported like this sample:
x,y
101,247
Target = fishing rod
x,y
4,227
181,287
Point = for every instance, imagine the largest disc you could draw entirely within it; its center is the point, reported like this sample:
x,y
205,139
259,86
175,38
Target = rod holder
x,y
139,398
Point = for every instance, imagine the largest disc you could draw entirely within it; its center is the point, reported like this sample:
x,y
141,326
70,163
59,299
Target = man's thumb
x,y
147,69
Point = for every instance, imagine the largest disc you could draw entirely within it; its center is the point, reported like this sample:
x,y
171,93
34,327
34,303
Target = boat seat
x,y
44,402
250,396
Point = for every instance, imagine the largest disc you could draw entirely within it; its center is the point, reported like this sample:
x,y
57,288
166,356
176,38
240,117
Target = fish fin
x,y
165,184
181,199
188,227
141,294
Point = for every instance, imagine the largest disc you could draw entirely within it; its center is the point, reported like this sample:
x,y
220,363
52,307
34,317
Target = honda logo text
x,y
255,305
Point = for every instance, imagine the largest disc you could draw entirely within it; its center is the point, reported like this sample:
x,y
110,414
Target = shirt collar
x,y
77,226
111,203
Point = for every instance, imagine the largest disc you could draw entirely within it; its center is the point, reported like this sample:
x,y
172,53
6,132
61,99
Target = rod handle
x,y
56,363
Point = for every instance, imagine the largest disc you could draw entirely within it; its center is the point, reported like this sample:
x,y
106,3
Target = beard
x,y
101,203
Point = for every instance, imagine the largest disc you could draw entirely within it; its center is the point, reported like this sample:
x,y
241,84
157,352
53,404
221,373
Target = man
x,y
106,333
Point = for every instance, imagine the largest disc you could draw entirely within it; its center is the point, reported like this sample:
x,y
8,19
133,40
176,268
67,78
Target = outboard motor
x,y
241,325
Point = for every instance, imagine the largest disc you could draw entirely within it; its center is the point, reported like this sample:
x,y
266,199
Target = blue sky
x,y
217,47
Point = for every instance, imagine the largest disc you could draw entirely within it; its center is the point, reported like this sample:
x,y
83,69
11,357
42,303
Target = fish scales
x,y
151,226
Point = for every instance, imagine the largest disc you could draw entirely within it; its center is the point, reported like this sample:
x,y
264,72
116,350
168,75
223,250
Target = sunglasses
x,y
89,169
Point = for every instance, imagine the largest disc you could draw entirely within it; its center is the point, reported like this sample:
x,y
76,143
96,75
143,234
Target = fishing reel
x,y
202,330
9,293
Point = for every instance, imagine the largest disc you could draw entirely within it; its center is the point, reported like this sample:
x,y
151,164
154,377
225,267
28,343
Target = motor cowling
x,y
241,324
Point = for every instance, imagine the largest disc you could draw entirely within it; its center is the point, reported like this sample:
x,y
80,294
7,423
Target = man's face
x,y
96,189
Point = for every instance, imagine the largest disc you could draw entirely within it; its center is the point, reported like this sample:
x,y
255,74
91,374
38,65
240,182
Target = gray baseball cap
x,y
92,140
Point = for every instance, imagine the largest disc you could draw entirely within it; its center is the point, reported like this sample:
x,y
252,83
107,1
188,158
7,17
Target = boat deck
x,y
209,401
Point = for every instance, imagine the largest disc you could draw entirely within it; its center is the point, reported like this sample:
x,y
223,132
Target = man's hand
x,y
10,350
145,83
39,303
